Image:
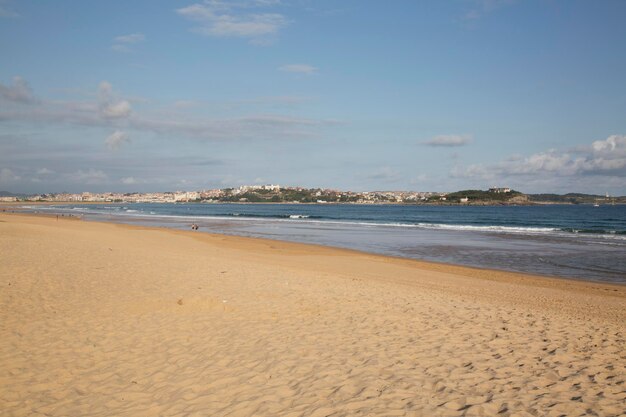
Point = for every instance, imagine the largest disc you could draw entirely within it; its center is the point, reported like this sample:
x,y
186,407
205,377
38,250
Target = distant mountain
x,y
10,194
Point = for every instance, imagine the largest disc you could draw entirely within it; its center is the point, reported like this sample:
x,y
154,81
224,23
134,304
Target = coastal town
x,y
271,193
246,193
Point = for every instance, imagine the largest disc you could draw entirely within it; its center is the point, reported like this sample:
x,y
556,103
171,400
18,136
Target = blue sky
x,y
361,95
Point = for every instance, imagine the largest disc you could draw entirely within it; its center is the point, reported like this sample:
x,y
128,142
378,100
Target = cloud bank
x,y
19,91
601,163
113,110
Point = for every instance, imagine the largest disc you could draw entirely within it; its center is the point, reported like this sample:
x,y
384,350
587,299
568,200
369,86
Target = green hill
x,y
487,197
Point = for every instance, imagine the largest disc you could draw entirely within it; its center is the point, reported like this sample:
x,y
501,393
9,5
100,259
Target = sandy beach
x,y
112,320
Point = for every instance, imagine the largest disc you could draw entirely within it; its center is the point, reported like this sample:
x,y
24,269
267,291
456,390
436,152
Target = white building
x,y
186,196
268,187
498,190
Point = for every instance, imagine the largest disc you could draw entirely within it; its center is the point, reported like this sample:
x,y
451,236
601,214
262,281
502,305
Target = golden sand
x,y
112,320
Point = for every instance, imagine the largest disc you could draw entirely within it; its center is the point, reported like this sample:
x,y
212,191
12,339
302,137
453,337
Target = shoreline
x,y
467,270
109,319
470,272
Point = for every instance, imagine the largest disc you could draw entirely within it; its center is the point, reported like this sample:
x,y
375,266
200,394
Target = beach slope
x,y
113,320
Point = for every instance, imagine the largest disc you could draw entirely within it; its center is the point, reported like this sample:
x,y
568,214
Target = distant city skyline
x,y
149,96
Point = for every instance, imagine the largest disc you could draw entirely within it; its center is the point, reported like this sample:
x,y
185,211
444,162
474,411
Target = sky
x,y
154,95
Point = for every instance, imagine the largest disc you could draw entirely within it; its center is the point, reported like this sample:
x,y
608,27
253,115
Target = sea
x,y
570,241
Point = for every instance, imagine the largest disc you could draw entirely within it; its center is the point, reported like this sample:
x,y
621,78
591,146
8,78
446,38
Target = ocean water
x,y
571,241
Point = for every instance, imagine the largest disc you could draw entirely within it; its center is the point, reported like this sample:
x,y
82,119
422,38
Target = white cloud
x,y
19,92
606,156
111,110
111,106
131,38
123,43
129,181
299,68
449,140
117,109
227,19
91,176
197,12
614,144
116,140
43,174
603,158
105,89
7,175
250,127
251,26
121,48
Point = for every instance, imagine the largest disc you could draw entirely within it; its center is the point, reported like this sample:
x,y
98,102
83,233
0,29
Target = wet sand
x,y
114,320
